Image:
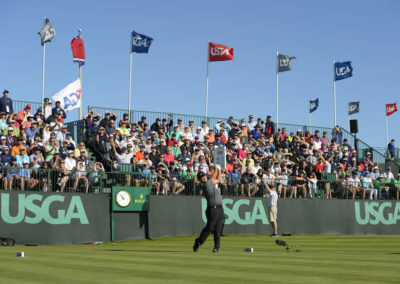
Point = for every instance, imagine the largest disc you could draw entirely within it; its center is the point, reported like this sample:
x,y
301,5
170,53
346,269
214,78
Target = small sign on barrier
x,y
130,198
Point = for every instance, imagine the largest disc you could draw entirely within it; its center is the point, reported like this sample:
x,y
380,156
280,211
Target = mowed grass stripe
x,y
325,258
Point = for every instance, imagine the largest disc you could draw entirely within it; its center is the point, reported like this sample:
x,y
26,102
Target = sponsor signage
x,y
35,208
374,213
127,198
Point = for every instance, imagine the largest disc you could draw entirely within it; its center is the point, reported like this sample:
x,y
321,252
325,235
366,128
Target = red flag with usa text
x,y
219,52
78,50
390,109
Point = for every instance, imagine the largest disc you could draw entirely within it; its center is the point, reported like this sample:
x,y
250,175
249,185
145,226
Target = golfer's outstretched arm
x,y
216,176
266,185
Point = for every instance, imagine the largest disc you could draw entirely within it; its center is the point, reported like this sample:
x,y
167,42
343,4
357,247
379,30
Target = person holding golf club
x,y
214,211
272,204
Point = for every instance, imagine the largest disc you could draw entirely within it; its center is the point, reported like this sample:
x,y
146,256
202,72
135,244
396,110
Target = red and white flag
x,y
390,109
219,52
78,50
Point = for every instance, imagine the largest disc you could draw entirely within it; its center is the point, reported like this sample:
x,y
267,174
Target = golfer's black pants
x,y
215,218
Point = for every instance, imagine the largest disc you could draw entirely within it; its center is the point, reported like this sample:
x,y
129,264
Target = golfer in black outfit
x,y
214,212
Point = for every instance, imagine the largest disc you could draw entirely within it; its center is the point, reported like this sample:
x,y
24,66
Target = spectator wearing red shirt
x,y
169,156
319,167
282,135
243,152
172,141
222,134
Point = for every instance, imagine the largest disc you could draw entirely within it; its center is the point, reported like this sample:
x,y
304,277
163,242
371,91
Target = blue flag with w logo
x,y
343,70
314,105
140,43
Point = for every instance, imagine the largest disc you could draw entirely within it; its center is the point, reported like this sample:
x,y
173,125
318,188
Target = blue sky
x,y
172,76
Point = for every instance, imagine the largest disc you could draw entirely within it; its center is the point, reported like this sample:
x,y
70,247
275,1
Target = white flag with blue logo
x,y
70,96
140,43
314,105
343,70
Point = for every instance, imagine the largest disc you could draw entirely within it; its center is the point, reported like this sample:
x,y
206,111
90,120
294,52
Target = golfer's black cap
x,y
200,175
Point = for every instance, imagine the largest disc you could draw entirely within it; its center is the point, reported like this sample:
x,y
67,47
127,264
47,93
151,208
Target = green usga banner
x,y
127,198
178,215
54,218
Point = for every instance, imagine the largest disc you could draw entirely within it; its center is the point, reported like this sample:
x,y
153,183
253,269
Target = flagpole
x,y
80,79
387,130
43,66
334,95
277,116
309,114
130,77
208,62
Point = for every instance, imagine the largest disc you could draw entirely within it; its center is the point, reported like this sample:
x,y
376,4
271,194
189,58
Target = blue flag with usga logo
x,y
140,43
314,105
343,70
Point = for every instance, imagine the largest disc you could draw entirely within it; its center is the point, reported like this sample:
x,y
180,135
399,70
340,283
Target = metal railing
x,y
384,151
77,129
151,116
20,105
185,183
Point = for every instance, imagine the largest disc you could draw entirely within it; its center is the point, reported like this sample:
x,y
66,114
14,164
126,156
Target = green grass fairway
x,y
325,259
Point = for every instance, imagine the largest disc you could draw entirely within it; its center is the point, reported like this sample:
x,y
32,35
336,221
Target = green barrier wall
x,y
55,218
172,216
51,218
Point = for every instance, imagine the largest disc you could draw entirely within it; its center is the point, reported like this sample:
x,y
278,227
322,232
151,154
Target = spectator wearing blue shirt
x,y
256,132
234,177
22,157
58,110
5,157
32,131
94,127
6,104
218,141
392,149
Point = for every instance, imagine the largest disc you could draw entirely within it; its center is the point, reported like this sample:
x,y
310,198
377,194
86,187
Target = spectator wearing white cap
x,y
388,175
3,143
222,125
13,127
11,140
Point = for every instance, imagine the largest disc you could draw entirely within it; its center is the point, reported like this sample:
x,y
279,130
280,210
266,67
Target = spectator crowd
x,y
38,153
167,155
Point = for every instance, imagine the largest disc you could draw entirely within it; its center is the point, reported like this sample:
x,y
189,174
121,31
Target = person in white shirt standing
x,y
272,204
